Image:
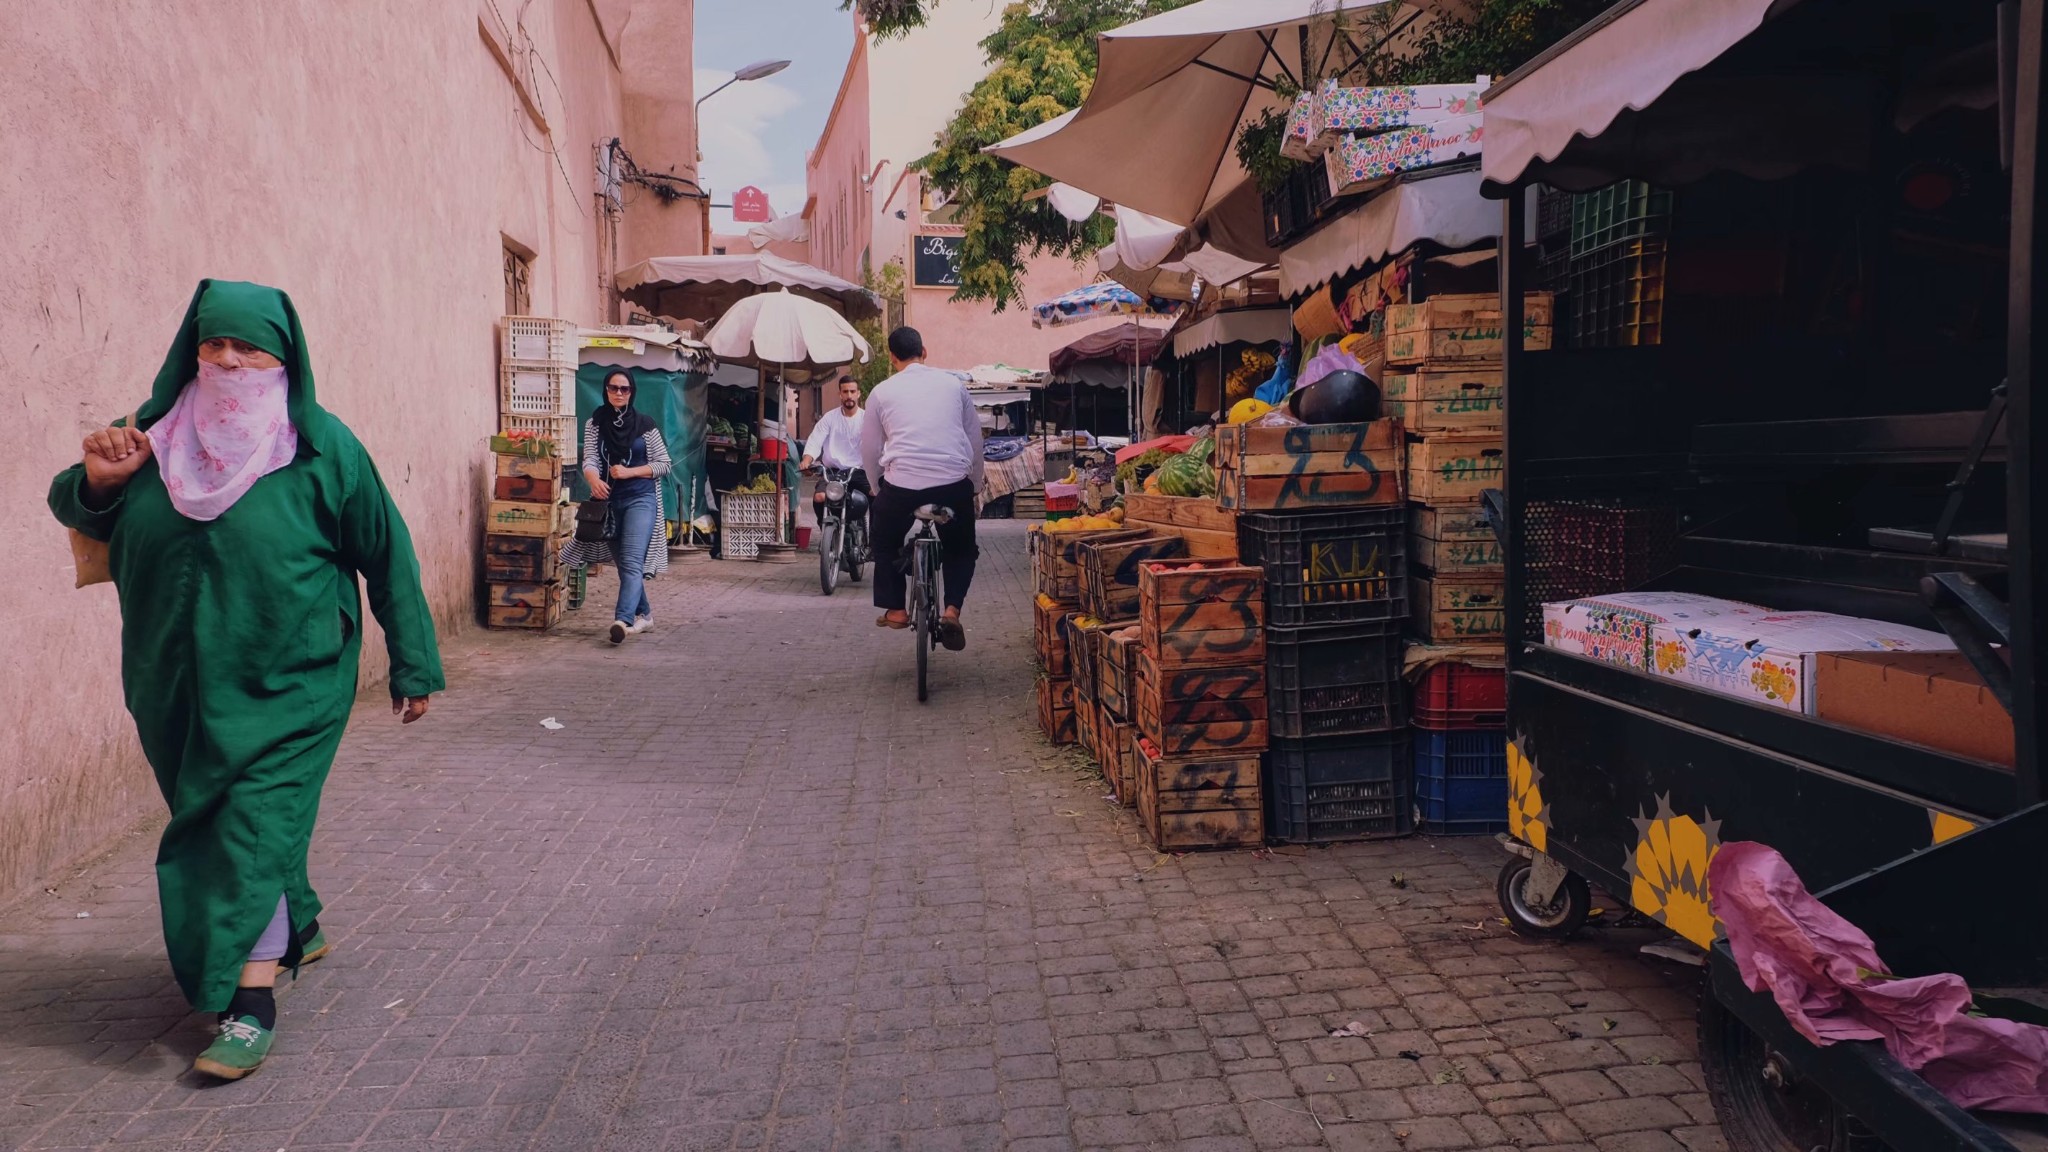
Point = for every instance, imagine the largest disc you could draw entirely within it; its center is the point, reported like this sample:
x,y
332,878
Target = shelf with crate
x,y
538,340
525,528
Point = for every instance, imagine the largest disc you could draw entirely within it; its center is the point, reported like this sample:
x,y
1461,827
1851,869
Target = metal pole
x,y
1511,263
2026,360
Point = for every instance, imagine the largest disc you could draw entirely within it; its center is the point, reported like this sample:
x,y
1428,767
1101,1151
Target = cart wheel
x,y
1760,1099
1564,915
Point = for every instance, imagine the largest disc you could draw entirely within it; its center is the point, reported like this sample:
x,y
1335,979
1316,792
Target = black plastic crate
x,y
1346,788
1335,681
1329,567
1617,295
1629,210
1553,213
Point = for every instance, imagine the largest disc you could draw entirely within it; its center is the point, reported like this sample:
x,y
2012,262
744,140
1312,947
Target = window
x,y
518,283
718,249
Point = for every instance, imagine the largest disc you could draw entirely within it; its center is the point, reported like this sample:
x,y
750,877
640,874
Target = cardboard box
x,y
1339,110
1616,629
1298,141
1770,659
1356,163
1934,699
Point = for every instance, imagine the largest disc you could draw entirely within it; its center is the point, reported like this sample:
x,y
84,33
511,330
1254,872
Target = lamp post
x,y
755,71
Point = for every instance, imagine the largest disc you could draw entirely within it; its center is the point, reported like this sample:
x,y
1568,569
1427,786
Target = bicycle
x,y
842,532
923,547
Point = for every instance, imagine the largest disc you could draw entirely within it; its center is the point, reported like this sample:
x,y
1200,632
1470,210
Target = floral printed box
x,y
1769,660
1341,111
1299,140
1356,162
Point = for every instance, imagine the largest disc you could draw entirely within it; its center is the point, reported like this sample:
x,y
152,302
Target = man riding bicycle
x,y
835,443
922,439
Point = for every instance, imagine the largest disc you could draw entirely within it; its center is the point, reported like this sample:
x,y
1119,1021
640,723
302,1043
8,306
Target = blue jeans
x,y
635,516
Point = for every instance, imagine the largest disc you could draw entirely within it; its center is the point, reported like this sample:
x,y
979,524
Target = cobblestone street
x,y
751,895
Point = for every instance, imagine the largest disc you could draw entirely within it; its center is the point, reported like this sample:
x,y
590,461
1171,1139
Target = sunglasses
x,y
619,388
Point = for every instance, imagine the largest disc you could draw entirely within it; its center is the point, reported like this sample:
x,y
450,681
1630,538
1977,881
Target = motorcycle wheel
x,y
829,539
856,554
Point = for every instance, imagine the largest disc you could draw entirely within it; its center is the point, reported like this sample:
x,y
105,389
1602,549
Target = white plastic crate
x,y
560,429
742,543
752,509
536,390
539,340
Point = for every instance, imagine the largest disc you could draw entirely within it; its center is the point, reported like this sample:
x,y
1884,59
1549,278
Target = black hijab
x,y
621,428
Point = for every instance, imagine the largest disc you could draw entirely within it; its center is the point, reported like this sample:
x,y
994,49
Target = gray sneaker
x,y
641,624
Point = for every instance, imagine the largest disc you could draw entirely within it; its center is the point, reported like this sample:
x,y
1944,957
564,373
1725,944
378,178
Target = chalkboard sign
x,y
935,261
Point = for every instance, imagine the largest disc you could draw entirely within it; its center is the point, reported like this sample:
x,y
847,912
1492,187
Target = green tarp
x,y
676,401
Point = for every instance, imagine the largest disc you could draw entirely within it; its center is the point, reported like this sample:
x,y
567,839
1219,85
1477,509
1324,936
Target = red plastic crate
x,y
1461,696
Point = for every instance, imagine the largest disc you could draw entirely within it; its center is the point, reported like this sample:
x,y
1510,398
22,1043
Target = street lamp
x,y
755,71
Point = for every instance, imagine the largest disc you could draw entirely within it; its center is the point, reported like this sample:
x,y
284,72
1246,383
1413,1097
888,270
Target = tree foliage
x,y
886,282
1042,60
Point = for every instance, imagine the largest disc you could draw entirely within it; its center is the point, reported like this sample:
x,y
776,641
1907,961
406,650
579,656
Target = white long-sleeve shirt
x,y
921,431
835,441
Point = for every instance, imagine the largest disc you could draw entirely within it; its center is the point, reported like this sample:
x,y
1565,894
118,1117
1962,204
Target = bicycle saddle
x,y
935,513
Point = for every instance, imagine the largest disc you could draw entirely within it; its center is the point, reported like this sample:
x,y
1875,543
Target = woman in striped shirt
x,y
624,460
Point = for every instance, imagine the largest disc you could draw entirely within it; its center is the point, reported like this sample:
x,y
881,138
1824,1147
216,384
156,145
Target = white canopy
x,y
1156,131
1249,325
704,287
1072,203
784,329
1447,209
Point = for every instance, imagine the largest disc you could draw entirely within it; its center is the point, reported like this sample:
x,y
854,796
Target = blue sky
x,y
759,132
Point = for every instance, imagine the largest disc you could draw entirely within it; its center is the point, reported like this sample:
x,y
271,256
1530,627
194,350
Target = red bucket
x,y
773,450
803,539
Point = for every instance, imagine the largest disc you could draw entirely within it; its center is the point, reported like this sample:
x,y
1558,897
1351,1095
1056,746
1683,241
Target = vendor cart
x,y
1825,405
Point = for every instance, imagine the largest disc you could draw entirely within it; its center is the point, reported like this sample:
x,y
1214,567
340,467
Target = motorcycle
x,y
842,530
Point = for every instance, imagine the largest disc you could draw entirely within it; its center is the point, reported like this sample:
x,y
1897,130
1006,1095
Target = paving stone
x,y
753,896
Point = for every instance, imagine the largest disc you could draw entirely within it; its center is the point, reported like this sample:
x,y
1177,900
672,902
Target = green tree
x,y
1042,59
887,282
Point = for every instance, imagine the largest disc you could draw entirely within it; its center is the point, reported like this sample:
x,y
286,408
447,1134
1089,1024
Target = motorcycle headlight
x,y
835,490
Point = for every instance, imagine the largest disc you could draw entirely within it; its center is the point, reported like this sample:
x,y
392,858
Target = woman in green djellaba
x,y
237,514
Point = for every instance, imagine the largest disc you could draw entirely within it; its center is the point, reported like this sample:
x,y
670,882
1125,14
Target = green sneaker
x,y
315,949
238,1050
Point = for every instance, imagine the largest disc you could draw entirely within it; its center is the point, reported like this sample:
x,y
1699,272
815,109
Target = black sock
x,y
258,1002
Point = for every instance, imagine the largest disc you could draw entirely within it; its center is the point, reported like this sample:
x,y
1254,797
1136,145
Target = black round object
x,y
1344,397
1764,1105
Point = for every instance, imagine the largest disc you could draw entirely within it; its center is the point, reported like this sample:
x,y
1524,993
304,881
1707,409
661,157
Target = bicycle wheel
x,y
920,607
830,535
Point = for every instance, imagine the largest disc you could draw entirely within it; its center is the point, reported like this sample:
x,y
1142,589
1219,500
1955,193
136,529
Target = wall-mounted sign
x,y
750,206
935,261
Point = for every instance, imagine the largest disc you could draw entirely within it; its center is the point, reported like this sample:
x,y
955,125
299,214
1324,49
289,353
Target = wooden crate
x,y
1048,641
1109,572
534,467
1201,612
1198,802
1113,679
1309,466
1122,771
1202,710
1056,569
1056,710
1467,328
1435,401
514,518
527,489
1455,609
1081,631
1453,540
1208,530
522,559
1455,467
537,606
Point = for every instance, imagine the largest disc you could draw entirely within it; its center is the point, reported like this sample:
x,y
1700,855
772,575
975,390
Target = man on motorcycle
x,y
835,443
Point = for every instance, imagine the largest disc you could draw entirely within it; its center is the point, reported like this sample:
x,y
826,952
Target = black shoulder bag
x,y
594,516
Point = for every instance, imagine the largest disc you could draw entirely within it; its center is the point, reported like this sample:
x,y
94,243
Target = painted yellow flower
x,y
1670,657
1668,872
1528,815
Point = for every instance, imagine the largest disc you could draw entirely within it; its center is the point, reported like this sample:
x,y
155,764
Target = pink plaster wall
x,y
840,209
369,158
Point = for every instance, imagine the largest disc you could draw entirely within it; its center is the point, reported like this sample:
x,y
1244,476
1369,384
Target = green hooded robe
x,y
239,644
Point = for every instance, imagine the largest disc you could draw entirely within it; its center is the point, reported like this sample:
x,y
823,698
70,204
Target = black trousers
x,y
894,511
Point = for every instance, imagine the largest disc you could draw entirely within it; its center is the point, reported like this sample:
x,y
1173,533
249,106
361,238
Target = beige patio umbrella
x,y
704,287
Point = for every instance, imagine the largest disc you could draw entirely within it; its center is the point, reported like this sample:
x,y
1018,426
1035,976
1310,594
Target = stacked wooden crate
x,y
1109,613
1056,578
1207,530
525,528
1444,383
1198,678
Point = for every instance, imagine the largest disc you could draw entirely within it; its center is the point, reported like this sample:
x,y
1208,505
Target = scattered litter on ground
x,y
1668,950
552,724
1355,1028
396,1003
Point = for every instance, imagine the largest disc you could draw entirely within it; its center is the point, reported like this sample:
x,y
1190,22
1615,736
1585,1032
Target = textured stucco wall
x,y
369,158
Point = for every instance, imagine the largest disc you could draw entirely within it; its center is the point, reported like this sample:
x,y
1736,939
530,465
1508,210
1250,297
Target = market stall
x,y
672,375
1761,599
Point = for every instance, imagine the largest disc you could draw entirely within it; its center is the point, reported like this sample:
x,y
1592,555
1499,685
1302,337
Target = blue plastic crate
x,y
1461,781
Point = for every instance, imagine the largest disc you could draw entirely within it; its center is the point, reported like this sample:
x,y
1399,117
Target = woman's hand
x,y
621,472
410,707
598,487
112,457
